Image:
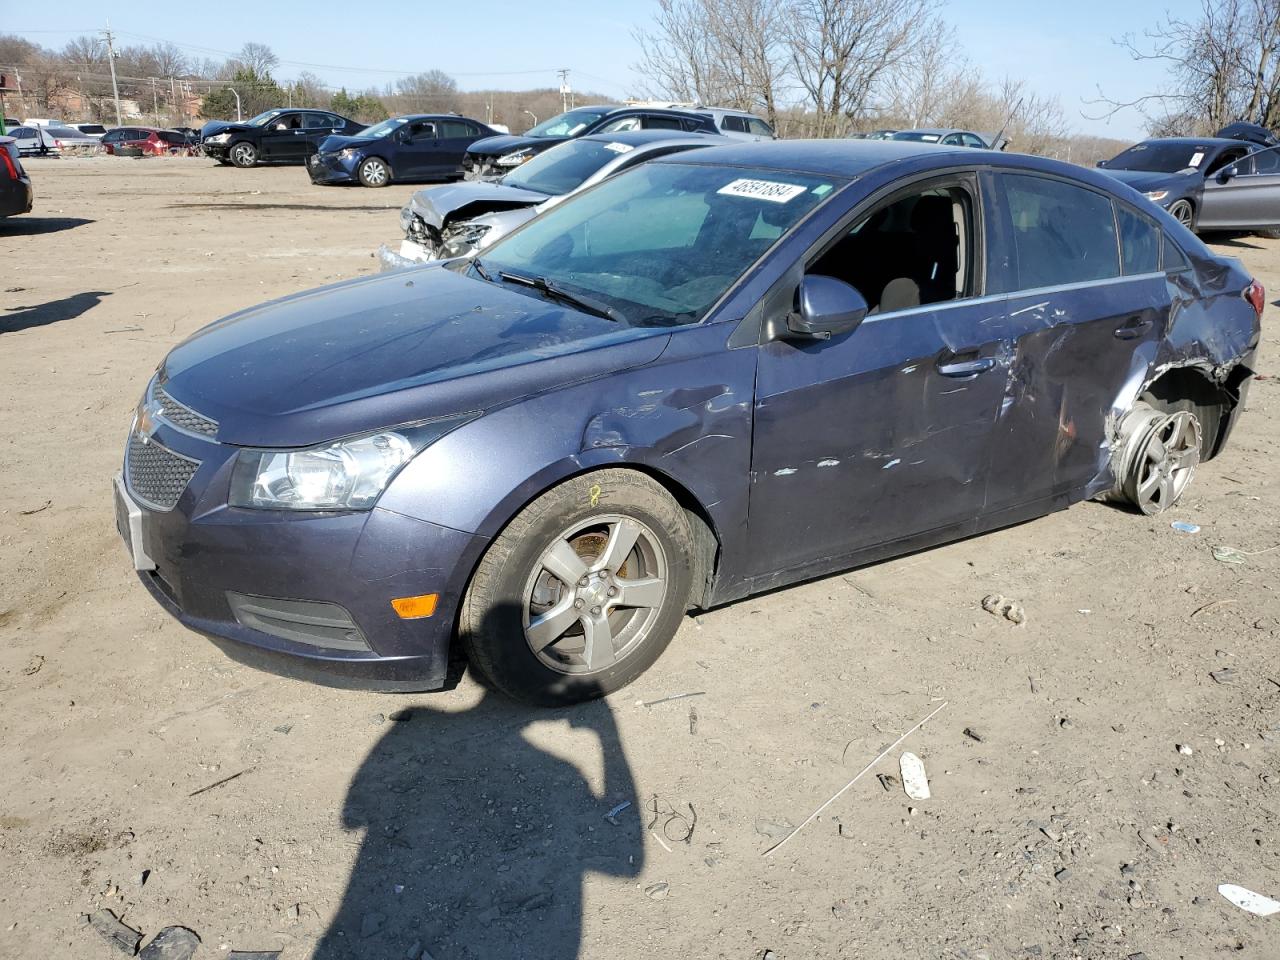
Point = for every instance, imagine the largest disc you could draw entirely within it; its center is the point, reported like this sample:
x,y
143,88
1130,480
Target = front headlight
x,y
461,240
218,138
406,217
347,475
514,159
1156,195
348,153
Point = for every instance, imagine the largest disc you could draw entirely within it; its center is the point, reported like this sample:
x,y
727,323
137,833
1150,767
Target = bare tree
x,y
842,51
258,57
432,91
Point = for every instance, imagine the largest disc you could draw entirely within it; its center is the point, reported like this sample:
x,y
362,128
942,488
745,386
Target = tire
x,y
1269,234
515,602
1184,213
374,172
225,163
243,154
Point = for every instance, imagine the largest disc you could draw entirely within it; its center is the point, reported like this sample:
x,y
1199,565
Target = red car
x,y
159,143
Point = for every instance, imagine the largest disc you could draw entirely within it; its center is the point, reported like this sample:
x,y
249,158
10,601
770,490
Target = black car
x,y
279,136
15,185
422,146
494,156
1185,175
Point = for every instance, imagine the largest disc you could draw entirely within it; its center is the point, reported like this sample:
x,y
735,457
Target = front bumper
x,y
218,151
206,557
330,168
482,168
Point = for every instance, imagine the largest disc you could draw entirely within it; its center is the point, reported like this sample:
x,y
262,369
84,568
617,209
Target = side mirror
x,y
1227,172
1102,163
827,306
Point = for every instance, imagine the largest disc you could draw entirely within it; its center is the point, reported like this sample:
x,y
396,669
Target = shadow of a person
x,y
477,842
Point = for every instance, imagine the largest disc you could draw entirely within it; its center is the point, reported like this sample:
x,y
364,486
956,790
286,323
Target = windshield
x,y
261,119
382,129
662,242
565,167
916,136
63,133
1160,157
567,124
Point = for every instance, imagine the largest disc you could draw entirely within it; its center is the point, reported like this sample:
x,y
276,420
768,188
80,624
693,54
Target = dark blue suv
x,y
414,147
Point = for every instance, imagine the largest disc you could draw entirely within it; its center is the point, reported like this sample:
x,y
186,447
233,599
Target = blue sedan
x,y
404,149
712,375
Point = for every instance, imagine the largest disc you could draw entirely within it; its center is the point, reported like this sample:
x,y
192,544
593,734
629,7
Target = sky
x,y
1061,49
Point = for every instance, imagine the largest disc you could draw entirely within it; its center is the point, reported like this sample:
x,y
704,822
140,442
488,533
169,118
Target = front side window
x,y
662,242
734,124
1139,241
1061,233
759,127
911,251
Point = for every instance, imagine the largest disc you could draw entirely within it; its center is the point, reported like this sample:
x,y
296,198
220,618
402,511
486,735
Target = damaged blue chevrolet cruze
x,y
712,375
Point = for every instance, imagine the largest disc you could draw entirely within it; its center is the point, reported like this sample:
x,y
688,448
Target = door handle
x,y
1133,328
966,368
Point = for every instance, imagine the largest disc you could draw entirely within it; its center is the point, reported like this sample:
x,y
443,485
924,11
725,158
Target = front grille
x,y
183,417
156,475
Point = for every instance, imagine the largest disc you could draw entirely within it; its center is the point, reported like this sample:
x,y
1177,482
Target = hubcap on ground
x,y
1161,457
594,594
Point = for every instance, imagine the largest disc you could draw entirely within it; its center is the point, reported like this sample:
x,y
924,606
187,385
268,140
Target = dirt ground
x,y
147,774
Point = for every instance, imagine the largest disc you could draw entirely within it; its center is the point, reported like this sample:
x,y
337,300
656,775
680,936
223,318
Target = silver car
x,y
37,141
739,124
461,219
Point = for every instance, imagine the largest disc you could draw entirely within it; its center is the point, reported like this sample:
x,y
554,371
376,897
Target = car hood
x,y
222,126
335,142
390,349
1145,181
459,201
500,146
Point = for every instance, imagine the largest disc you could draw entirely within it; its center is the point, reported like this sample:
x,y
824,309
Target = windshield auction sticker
x,y
762,190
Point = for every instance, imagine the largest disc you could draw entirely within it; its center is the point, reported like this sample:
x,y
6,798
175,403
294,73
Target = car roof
x,y
639,138
1197,141
837,158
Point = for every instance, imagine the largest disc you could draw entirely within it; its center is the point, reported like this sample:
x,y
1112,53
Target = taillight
x,y
8,164
1256,295
57,144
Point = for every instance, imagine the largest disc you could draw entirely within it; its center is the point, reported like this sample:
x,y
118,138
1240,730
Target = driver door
x,y
415,150
284,138
882,434
1244,195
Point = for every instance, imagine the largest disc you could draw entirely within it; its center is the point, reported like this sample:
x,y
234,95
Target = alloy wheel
x,y
594,594
243,155
1183,213
1161,457
374,173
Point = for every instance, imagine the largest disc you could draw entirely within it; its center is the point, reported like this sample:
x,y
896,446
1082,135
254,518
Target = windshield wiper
x,y
484,274
557,292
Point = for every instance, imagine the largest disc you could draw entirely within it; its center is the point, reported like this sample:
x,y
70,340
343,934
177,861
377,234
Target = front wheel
x,y
374,172
582,591
1184,213
243,154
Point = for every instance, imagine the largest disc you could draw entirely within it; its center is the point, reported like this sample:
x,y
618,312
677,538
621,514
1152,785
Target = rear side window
x,y
1266,161
170,136
1174,258
1061,233
1139,242
449,129
735,124
653,122
318,121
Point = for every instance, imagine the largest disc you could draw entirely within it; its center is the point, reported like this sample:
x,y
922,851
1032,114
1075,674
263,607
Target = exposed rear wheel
x,y
243,154
583,590
1159,455
374,173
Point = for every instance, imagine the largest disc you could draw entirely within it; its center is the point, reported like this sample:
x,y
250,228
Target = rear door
x,y
1244,195
316,126
453,138
1087,307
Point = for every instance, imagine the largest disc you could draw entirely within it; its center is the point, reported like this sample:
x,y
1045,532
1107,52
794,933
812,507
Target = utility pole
x,y
565,92
173,100
109,37
155,101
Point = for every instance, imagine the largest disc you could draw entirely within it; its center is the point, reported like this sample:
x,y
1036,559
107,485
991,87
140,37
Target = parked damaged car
x,y
33,141
1209,183
495,156
460,220
718,373
401,149
273,136
146,141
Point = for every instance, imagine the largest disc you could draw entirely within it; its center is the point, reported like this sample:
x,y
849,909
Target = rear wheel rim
x,y
375,173
594,594
1164,461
